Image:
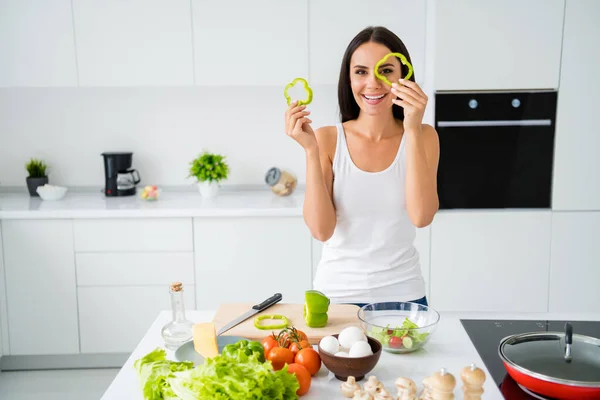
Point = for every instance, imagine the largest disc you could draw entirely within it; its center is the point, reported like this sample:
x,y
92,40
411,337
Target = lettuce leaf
x,y
219,378
223,378
153,370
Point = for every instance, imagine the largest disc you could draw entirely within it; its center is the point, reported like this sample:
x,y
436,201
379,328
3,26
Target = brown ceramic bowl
x,y
358,367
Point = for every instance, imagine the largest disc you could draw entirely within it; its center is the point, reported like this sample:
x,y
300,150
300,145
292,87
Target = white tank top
x,y
371,256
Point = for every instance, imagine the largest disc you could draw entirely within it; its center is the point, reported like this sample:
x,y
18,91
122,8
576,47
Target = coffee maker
x,y
120,179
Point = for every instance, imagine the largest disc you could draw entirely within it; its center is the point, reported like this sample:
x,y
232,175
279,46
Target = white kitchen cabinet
x,y
40,286
498,44
334,23
133,235
576,185
134,42
114,319
267,43
490,260
122,269
575,261
37,46
3,311
246,260
422,243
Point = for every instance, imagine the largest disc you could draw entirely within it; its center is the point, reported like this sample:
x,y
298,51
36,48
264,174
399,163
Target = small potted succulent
x,y
209,169
37,175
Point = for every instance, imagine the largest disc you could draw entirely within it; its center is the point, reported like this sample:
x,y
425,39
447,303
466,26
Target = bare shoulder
x,y
429,131
430,135
327,139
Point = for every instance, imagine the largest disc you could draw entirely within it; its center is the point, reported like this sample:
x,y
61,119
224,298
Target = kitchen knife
x,y
276,298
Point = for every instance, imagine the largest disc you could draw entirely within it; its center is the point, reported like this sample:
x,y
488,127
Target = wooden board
x,y
340,316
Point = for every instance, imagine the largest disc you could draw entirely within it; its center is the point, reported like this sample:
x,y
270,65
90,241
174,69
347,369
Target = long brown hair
x,y
349,109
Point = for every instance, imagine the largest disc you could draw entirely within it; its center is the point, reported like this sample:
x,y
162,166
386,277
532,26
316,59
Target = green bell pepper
x,y
243,350
307,88
315,310
403,60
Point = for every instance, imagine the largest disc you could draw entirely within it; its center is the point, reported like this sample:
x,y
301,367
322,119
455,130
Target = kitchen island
x,y
449,347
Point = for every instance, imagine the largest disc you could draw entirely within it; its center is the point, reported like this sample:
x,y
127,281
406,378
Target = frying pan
x,y
561,365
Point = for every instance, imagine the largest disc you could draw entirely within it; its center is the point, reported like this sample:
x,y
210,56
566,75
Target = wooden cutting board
x,y
340,316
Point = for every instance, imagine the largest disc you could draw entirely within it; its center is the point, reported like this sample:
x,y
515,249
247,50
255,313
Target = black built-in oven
x,y
496,149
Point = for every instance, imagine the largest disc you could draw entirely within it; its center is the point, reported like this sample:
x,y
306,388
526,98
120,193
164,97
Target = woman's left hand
x,y
413,100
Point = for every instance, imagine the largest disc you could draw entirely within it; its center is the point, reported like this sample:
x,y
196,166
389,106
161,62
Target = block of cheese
x,y
205,339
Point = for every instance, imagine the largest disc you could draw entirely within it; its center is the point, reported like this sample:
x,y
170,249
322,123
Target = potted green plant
x,y
37,175
209,169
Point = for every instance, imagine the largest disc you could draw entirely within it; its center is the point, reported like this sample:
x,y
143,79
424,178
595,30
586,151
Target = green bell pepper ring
x,y
306,87
243,350
402,59
282,325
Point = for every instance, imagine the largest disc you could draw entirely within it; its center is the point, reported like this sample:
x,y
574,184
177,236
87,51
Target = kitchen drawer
x,y
122,269
133,235
114,319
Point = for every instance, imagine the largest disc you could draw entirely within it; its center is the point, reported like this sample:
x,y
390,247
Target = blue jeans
x,y
422,301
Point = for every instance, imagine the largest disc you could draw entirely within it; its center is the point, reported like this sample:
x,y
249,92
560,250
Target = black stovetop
x,y
487,334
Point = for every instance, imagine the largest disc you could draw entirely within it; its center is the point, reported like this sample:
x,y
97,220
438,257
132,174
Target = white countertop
x,y
170,204
449,347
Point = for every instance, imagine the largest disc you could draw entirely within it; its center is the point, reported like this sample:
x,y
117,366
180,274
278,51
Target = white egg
x,y
360,349
330,344
341,354
350,335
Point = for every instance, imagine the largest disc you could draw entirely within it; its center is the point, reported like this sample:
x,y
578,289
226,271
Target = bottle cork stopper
x,y
176,287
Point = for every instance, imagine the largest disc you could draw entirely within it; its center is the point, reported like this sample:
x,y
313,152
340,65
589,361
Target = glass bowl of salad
x,y
401,327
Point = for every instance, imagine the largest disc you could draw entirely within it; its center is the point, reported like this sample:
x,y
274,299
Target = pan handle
x,y
568,341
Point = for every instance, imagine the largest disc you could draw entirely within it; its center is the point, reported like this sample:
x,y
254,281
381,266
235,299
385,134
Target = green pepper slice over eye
x,y
306,87
403,60
282,325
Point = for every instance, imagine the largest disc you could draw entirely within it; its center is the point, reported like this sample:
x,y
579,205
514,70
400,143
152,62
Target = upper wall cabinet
x,y
498,44
36,43
576,184
134,42
252,43
333,24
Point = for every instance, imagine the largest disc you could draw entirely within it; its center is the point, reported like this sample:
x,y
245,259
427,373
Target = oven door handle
x,y
521,122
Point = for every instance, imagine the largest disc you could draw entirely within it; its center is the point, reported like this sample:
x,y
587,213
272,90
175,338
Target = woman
x,y
371,179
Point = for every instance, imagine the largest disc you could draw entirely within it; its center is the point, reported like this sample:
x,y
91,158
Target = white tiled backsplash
x,y
164,127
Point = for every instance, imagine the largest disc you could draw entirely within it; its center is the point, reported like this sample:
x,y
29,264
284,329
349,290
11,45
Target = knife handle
x,y
276,298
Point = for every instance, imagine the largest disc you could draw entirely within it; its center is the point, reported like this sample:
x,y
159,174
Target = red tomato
x,y
395,342
295,347
303,377
309,359
279,356
291,335
269,343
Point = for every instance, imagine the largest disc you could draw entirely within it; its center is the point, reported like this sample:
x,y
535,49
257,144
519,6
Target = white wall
x,y
122,96
116,94
164,127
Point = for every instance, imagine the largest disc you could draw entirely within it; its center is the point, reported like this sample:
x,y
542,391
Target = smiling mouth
x,y
374,97
373,100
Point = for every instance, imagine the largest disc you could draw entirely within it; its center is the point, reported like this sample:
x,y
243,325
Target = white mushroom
x,y
373,385
349,387
383,395
362,395
407,389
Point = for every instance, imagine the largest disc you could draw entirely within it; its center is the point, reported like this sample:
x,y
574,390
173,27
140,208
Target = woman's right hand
x,y
297,126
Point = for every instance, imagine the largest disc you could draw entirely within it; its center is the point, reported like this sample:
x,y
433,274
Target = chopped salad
x,y
400,336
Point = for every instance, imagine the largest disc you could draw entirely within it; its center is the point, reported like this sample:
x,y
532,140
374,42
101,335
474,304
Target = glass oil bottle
x,y
179,330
